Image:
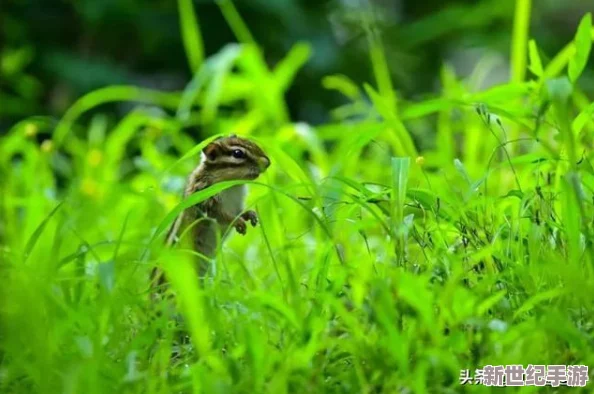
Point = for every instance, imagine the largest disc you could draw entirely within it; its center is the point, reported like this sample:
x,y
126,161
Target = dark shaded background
x,y
52,51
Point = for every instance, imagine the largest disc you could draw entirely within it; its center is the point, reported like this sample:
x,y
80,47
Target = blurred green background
x,y
52,52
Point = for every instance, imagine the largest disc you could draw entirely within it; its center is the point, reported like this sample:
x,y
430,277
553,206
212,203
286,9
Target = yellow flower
x,y
30,130
47,146
420,160
94,157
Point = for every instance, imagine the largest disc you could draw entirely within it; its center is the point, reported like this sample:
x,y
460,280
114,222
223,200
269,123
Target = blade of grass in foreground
x,y
583,45
400,168
38,231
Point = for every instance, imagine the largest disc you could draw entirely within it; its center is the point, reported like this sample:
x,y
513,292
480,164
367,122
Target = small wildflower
x,y
30,130
47,146
94,157
420,160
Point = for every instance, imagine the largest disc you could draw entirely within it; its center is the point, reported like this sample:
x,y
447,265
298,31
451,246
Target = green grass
x,y
376,267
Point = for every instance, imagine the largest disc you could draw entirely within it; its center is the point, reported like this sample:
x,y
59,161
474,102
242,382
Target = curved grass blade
x,y
107,95
39,230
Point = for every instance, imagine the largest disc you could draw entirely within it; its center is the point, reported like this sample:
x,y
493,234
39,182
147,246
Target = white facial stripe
x,y
229,159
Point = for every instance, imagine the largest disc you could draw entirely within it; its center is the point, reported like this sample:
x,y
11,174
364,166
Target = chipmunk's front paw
x,y
240,226
252,216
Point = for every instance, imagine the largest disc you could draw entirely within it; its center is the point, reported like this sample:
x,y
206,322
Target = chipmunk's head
x,y
234,158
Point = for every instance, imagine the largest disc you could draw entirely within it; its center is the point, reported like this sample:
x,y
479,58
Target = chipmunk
x,y
224,159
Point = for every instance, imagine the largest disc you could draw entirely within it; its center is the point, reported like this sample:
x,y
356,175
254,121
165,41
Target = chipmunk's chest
x,y
232,199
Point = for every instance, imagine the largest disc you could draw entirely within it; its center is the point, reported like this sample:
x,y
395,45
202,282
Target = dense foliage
x,y
381,264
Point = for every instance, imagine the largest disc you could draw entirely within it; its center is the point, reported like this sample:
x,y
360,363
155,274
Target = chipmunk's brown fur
x,y
224,159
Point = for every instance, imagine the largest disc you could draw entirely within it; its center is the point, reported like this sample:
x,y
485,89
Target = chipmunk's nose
x,y
264,162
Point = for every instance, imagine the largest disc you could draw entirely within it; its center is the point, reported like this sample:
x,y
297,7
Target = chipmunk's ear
x,y
211,151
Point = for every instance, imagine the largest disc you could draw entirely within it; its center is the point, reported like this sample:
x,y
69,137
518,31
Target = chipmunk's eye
x,y
238,153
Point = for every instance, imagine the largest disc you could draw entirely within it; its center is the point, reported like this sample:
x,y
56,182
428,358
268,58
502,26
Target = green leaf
x,y
221,68
192,91
572,200
514,193
584,117
583,45
379,63
39,230
520,31
191,34
287,68
182,276
235,22
399,136
504,93
380,103
462,170
400,169
535,62
426,107
342,84
547,295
